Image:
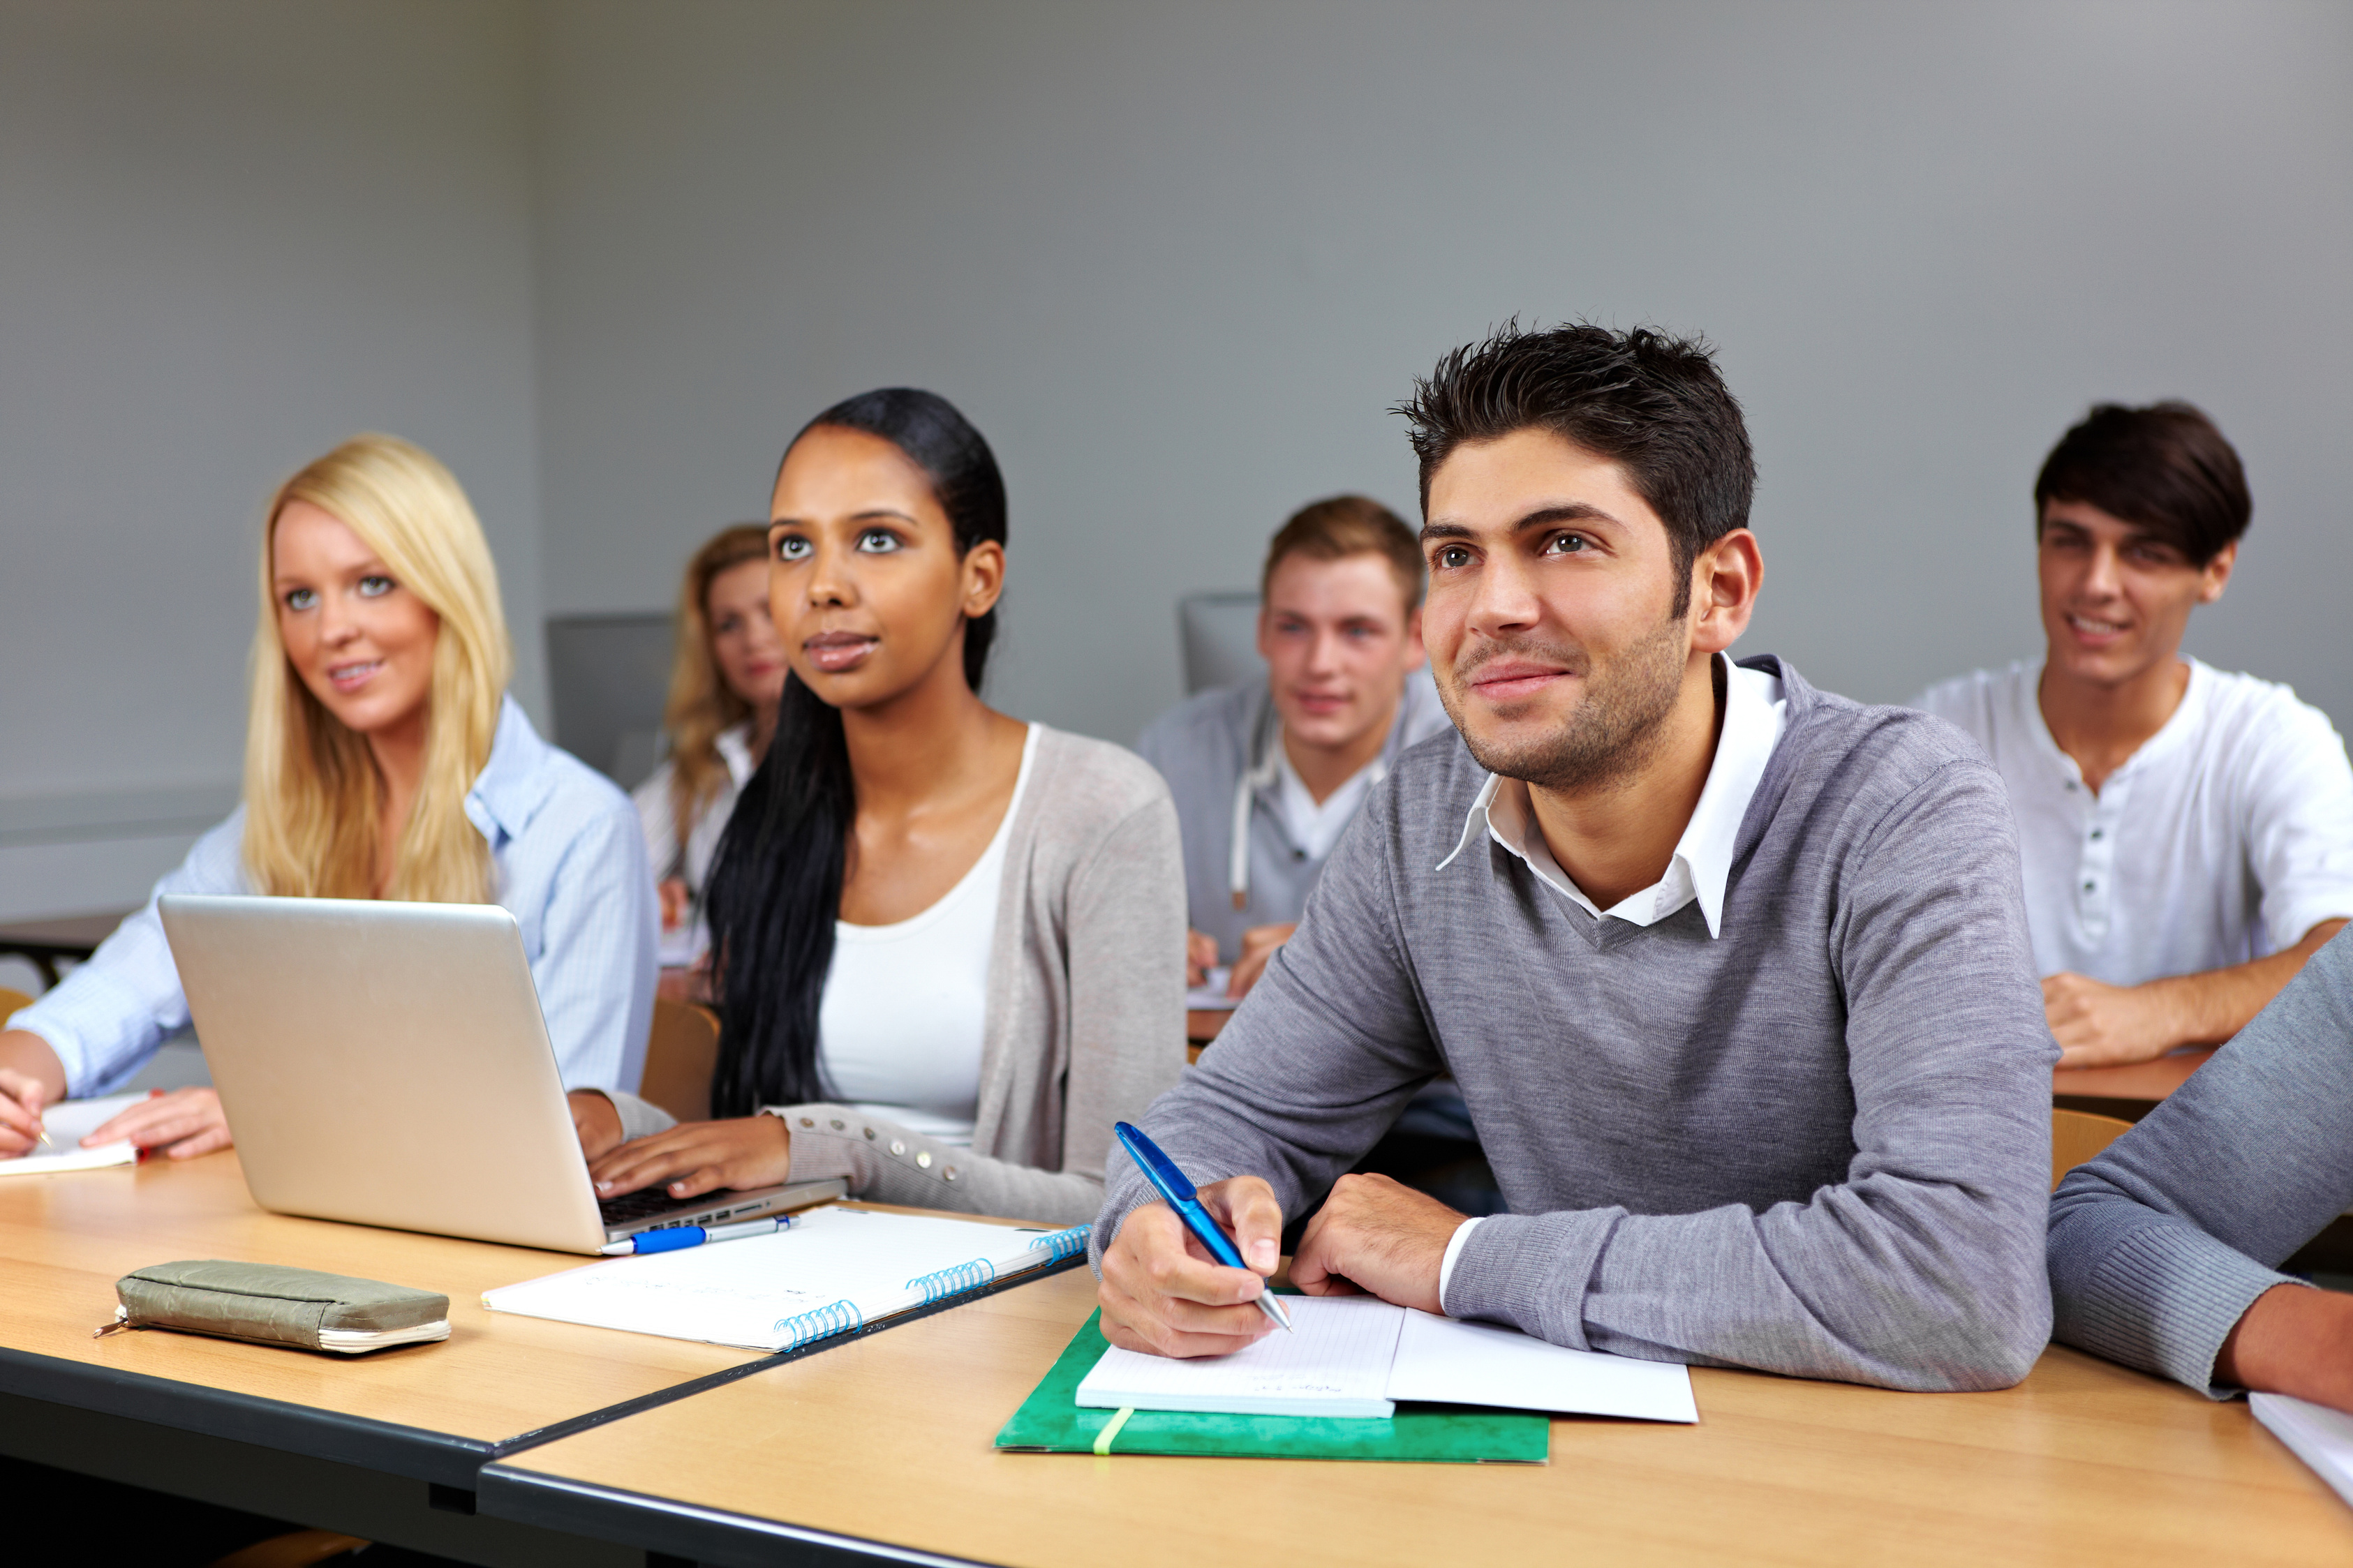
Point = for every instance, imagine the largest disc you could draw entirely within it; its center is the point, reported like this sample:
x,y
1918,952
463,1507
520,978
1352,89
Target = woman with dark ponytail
x,y
947,945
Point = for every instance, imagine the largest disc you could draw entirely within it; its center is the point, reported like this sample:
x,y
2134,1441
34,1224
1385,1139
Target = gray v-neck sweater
x,y
1817,1144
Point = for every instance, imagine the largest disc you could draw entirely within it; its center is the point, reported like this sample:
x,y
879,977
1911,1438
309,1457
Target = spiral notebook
x,y
834,1271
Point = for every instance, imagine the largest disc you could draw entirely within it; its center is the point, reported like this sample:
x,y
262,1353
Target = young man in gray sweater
x,y
1734,973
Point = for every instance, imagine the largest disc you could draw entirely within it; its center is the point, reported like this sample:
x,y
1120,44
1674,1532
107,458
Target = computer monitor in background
x,y
1219,636
608,676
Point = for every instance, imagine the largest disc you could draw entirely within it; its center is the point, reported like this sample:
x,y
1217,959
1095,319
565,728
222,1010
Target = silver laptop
x,y
387,1064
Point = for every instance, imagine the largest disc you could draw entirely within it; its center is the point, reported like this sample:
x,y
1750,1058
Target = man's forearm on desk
x,y
2213,1006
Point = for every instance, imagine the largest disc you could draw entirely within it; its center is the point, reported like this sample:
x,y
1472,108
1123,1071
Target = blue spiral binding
x,y
838,1319
955,1281
1064,1243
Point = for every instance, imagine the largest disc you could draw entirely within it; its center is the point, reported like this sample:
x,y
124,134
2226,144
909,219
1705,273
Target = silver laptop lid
x,y
385,1063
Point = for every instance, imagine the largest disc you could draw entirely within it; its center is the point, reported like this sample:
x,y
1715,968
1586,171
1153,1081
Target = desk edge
x,y
414,1451
668,1526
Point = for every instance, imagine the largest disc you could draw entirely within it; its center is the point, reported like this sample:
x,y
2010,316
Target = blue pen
x,y
1173,1185
669,1238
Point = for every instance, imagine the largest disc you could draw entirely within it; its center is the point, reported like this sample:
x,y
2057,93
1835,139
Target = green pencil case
x,y
270,1305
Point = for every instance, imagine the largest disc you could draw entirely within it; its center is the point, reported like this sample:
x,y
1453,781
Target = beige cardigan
x,y
1086,1008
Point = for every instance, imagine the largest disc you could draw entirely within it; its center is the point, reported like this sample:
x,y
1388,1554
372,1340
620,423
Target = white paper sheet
x,y
1210,996
1453,1363
1354,1356
67,1123
2321,1438
832,1271
1334,1361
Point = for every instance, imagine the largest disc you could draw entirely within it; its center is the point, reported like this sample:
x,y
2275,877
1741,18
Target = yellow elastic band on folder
x,y
1111,1430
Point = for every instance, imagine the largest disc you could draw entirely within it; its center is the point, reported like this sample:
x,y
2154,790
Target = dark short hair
x,y
2165,467
1340,526
1646,400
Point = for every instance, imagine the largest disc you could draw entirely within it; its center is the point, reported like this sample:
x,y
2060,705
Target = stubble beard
x,y
1616,730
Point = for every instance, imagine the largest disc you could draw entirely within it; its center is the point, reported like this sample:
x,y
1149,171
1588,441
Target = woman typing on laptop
x,y
948,946
383,760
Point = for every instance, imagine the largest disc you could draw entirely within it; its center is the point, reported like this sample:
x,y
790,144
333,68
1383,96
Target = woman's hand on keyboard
x,y
698,1157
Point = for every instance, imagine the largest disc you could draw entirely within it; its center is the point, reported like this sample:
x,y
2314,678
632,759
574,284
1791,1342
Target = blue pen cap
x,y
1159,1168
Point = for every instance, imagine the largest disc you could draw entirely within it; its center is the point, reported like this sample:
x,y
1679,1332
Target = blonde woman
x,y
727,676
383,760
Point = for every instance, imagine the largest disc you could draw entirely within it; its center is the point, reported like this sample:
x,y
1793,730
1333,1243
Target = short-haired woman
x,y
383,759
725,678
948,945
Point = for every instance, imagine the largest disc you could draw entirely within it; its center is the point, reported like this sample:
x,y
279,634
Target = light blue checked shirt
x,y
570,867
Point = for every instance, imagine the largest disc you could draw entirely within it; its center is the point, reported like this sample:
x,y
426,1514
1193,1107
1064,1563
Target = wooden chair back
x,y
10,1001
2077,1136
681,1055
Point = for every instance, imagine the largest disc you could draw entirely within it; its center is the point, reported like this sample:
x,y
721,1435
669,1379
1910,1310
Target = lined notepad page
x,y
67,1123
1335,1361
834,1270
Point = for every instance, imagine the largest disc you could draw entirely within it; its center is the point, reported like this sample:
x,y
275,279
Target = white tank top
x,y
899,1025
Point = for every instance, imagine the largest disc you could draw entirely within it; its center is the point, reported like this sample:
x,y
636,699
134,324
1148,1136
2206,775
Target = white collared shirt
x,y
1755,714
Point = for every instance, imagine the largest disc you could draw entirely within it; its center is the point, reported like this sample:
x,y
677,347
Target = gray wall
x,y
1175,261
231,234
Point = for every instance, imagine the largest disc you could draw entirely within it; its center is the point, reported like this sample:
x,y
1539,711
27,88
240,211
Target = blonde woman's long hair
x,y
313,797
700,703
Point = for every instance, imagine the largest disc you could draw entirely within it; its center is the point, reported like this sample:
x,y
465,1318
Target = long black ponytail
x,y
776,884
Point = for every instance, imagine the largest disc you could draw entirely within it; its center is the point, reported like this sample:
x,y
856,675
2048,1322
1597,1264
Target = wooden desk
x,y
1202,1024
883,1445
2126,1092
433,1413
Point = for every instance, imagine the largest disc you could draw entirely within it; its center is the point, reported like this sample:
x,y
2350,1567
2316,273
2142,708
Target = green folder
x,y
1051,1421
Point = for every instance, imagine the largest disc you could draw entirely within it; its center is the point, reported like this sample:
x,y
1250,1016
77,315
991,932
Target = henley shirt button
x,y
2095,835
924,1158
870,1132
808,1121
837,1124
2089,885
949,1172
898,1147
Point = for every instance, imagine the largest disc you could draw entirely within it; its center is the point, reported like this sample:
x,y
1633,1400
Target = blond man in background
x,y
1268,774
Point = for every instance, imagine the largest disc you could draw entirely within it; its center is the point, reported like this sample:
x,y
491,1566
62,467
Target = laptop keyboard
x,y
643,1204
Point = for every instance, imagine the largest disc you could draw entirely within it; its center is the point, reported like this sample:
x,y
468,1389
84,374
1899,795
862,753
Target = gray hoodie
x,y
1218,750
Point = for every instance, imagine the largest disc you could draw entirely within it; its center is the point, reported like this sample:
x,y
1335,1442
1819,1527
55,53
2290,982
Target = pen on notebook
x,y
669,1238
1174,1185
